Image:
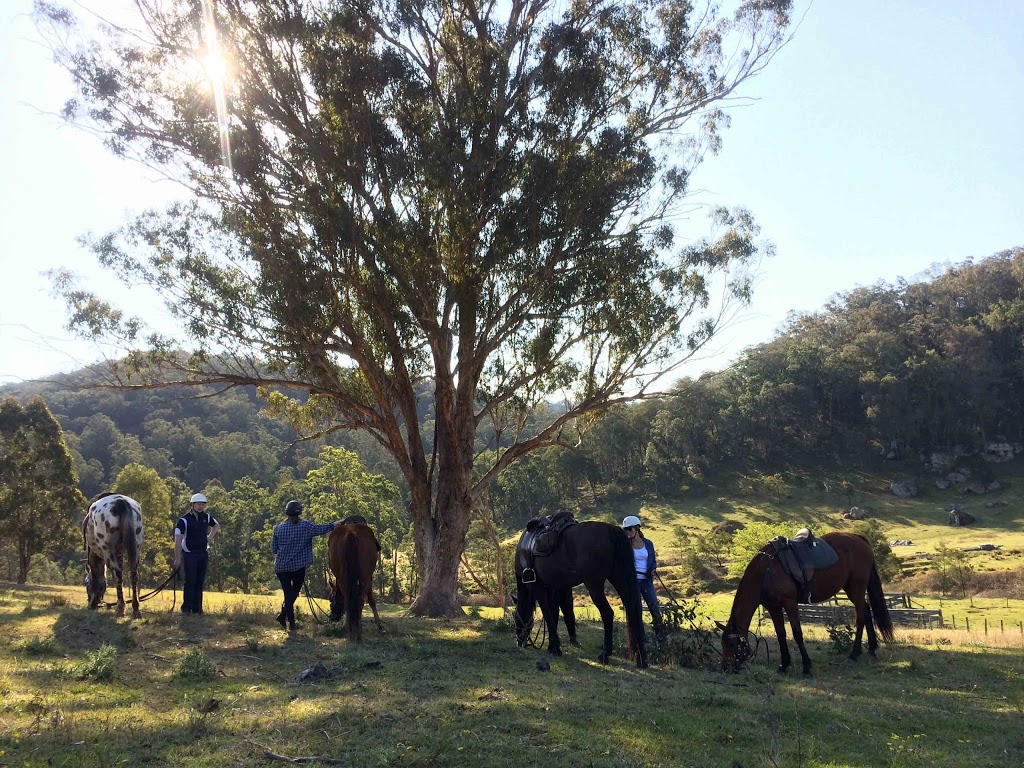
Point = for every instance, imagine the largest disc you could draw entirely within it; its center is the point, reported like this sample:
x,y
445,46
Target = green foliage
x,y
954,569
840,636
194,665
40,503
887,563
690,642
100,665
38,646
748,541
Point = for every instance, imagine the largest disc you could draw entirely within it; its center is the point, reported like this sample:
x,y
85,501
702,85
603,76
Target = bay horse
x,y
765,582
112,532
352,557
591,554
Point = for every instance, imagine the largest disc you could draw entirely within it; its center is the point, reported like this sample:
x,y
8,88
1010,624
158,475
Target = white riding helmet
x,y
198,497
631,521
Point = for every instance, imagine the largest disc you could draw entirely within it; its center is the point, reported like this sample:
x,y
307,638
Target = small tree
x,y
146,487
40,503
888,564
954,569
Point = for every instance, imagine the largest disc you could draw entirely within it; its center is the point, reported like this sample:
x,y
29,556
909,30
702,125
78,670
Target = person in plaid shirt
x,y
293,546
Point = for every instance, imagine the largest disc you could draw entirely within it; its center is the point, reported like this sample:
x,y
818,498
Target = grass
x,y
459,693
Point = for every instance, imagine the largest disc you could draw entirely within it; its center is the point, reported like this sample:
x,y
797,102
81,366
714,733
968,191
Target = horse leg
x,y
607,618
136,613
780,633
549,609
793,611
863,613
569,615
119,576
373,607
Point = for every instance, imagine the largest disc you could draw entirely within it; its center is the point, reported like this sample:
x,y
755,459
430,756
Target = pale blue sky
x,y
886,137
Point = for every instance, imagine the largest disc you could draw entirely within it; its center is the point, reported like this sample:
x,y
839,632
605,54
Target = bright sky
x,y
885,138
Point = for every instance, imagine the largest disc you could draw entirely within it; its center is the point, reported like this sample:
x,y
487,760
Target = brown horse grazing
x,y
591,554
764,582
352,556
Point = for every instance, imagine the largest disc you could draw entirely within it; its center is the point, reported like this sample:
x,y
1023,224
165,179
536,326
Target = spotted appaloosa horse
x,y
112,531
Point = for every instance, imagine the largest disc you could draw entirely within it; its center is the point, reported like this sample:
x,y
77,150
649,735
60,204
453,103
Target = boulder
x,y
959,518
858,513
959,477
976,488
994,504
905,488
993,486
941,484
901,543
728,526
997,452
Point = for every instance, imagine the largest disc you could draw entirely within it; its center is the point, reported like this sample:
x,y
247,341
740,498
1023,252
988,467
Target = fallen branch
x,y
296,760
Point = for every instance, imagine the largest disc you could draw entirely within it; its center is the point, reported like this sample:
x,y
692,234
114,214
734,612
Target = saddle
x,y
800,556
540,539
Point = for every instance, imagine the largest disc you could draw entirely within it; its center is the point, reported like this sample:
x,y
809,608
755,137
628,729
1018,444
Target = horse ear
x,y
720,625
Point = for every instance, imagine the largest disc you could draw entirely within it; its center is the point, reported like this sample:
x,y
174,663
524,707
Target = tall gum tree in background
x,y
40,503
396,206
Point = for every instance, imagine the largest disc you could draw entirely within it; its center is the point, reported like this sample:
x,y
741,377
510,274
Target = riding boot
x,y
280,618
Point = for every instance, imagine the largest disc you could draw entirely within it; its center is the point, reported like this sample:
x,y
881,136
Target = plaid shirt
x,y
293,544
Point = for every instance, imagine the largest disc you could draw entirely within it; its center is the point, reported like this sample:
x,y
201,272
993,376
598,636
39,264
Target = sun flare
x,y
216,68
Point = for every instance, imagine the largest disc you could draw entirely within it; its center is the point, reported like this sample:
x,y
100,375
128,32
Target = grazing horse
x,y
591,554
352,557
112,531
565,604
765,582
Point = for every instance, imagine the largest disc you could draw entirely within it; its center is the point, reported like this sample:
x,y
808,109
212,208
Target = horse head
x,y
95,589
735,648
523,615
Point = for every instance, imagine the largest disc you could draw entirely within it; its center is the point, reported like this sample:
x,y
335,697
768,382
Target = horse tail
x,y
353,587
126,525
625,567
879,609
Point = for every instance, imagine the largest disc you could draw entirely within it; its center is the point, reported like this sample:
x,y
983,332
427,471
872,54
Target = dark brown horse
x,y
591,554
352,556
765,583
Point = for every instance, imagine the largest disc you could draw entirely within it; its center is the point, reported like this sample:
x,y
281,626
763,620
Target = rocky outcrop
x,y
858,513
905,488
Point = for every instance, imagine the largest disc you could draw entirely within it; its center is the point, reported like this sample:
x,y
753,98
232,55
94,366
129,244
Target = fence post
x,y
954,620
986,626
1001,627
968,620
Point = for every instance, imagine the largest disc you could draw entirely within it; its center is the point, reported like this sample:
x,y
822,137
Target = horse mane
x,y
745,593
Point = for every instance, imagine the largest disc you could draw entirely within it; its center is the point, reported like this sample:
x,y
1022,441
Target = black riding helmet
x,y
293,508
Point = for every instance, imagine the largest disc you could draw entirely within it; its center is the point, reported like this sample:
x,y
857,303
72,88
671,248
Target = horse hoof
x,y
136,614
783,669
603,658
807,672
555,651
574,642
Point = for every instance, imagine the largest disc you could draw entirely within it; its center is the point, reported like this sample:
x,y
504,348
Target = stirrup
x,y
529,576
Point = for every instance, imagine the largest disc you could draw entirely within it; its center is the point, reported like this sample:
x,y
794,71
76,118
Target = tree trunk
x,y
439,552
24,560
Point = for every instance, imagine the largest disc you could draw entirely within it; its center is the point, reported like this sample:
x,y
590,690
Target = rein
x,y
154,592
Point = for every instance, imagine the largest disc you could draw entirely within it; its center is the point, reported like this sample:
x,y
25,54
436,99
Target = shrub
x,y
38,646
100,665
840,636
195,666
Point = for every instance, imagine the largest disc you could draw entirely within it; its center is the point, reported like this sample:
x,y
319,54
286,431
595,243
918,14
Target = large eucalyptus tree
x,y
397,201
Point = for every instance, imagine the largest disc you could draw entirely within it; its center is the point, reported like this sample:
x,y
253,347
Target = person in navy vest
x,y
192,536
646,563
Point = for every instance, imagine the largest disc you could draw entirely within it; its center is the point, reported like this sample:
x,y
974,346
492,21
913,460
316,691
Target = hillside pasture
x,y
80,688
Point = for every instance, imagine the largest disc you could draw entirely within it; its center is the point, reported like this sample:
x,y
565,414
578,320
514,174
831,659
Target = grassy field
x,y
83,689
818,500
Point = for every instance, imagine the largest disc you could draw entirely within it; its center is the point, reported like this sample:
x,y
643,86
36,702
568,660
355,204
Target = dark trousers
x,y
195,574
291,584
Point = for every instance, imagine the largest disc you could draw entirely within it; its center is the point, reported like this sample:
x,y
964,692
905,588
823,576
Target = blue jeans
x,y
651,598
195,574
